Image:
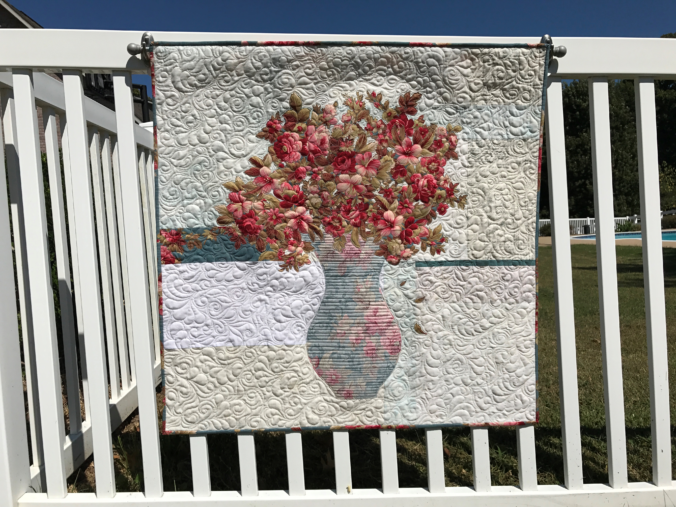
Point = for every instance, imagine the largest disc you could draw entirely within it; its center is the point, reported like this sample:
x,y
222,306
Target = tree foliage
x,y
623,144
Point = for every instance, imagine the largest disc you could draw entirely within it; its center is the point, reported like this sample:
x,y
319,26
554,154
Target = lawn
x,y
317,446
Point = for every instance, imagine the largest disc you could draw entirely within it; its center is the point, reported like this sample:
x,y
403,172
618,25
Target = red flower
x,y
423,187
239,204
288,147
290,196
344,162
399,171
300,173
355,215
334,226
248,224
437,145
405,207
433,164
393,259
442,208
173,237
408,234
387,193
166,256
274,217
400,121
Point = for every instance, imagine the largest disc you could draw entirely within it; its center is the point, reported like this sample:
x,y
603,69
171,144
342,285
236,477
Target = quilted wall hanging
x,y
348,233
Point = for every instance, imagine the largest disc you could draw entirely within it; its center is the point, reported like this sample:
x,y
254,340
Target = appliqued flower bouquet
x,y
374,174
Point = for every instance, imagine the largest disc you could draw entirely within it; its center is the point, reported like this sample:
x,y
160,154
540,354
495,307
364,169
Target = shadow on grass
x,y
633,270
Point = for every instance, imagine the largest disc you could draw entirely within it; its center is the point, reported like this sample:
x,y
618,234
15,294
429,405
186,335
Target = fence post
x,y
14,465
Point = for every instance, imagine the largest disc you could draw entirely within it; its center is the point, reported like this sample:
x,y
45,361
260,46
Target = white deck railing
x,y
109,206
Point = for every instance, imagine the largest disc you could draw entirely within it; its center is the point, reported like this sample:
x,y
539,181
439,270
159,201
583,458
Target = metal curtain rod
x,y
147,40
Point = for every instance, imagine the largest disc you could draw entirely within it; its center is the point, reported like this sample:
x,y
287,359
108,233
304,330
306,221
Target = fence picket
x,y
341,457
388,459
150,246
563,287
113,242
139,303
607,281
528,471
63,270
23,286
104,260
15,478
123,258
85,232
294,463
42,298
247,465
152,208
653,279
199,459
68,184
436,482
481,460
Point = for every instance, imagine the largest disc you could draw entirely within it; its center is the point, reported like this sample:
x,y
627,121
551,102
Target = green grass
x,y
317,446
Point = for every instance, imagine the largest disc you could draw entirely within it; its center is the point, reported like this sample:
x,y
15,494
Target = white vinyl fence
x,y
577,225
110,312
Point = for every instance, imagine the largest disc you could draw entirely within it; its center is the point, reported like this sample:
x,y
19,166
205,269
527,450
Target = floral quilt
x,y
347,233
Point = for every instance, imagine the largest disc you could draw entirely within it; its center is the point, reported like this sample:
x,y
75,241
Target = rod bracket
x,y
557,51
142,49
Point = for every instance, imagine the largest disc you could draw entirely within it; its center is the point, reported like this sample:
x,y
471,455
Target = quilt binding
x,y
548,48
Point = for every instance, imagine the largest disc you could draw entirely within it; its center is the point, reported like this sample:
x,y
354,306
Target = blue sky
x,y
572,18
591,18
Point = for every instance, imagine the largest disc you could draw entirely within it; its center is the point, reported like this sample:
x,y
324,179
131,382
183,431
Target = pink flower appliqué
x,y
350,185
366,166
408,152
390,224
239,205
299,219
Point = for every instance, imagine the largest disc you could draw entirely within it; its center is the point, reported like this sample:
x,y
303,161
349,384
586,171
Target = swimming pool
x,y
666,236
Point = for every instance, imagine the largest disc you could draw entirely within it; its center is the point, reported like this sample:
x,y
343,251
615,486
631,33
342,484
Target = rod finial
x,y
142,49
558,51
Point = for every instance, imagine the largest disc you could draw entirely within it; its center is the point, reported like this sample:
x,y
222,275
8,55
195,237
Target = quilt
x,y
347,233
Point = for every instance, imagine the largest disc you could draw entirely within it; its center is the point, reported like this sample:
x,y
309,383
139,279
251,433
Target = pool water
x,y
666,236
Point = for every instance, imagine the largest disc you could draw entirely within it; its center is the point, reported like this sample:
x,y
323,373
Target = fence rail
x,y
102,216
